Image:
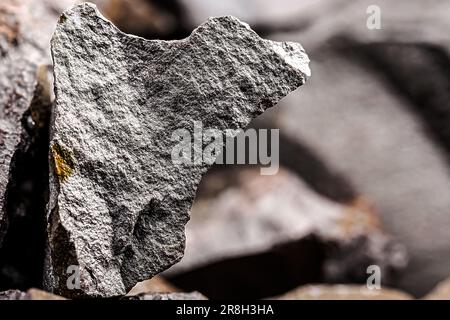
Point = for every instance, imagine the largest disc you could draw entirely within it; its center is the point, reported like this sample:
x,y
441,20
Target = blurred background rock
x,y
364,150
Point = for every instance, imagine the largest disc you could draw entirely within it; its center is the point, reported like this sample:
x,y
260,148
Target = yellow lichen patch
x,y
63,160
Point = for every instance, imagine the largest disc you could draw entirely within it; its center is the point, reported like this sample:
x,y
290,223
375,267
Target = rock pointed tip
x,y
291,53
84,9
227,18
223,21
75,16
294,55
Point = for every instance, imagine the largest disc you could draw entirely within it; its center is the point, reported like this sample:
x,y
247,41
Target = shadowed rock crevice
x,y
260,275
23,249
284,267
56,267
294,155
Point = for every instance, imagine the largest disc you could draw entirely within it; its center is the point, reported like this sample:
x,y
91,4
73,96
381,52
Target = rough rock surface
x,y
32,294
118,204
168,296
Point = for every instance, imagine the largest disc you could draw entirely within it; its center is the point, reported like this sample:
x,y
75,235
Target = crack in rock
x,y
118,203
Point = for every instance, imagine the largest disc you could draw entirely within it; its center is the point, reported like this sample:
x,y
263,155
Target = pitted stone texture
x,y
168,296
118,204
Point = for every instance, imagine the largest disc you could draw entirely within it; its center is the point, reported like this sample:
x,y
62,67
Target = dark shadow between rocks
x,y
23,249
260,275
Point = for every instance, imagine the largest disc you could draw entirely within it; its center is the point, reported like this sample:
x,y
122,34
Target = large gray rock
x,y
118,203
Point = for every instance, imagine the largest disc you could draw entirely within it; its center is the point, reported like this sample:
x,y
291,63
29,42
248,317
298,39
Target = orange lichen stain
x,y
64,161
360,216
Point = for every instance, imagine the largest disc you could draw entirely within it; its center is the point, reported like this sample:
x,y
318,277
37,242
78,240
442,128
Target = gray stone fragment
x,y
118,203
168,296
